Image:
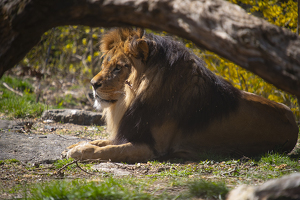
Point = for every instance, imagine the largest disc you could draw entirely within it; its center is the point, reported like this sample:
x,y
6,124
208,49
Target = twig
x,y
83,169
80,161
63,167
63,137
76,162
13,90
229,172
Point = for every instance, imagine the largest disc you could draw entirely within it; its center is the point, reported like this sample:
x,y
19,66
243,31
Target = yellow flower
x,y
84,41
68,46
95,36
72,69
89,58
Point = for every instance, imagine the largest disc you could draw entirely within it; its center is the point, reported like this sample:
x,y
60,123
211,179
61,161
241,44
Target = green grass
x,y
278,159
109,189
17,84
207,179
60,163
207,189
172,170
13,105
122,188
66,100
9,161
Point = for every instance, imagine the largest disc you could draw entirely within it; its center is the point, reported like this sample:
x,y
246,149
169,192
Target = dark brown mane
x,y
191,105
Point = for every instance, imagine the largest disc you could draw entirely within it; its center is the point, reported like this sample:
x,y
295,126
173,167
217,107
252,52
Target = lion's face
x,y
108,84
124,50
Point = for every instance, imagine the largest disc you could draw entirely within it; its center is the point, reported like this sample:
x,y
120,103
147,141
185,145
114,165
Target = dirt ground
x,y
34,145
40,141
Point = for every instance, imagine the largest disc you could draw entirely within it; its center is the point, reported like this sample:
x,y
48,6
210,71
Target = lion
x,y
160,101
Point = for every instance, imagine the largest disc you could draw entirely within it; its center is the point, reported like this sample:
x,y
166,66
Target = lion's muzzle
x,y
96,83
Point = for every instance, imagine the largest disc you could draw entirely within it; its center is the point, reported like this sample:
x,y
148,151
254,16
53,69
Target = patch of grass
x,y
174,173
13,105
207,189
75,87
212,156
172,170
274,165
152,180
99,128
18,84
278,159
68,99
60,163
81,189
9,161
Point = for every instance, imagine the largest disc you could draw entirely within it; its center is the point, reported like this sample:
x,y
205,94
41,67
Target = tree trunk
x,y
298,19
219,26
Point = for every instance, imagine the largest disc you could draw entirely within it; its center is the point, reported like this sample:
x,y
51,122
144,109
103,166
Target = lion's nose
x,y
96,83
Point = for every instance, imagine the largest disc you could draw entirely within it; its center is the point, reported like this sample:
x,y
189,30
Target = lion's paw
x,y
77,144
80,151
75,151
64,154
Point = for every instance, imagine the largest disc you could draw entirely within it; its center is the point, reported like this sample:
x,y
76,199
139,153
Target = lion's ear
x,y
137,48
140,32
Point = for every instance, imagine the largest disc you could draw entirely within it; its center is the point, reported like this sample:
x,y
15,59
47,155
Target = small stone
x,y
74,116
48,121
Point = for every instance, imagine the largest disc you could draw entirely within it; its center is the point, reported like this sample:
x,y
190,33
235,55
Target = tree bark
x,y
219,26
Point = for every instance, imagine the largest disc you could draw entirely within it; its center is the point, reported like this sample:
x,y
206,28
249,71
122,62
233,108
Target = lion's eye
x,y
118,68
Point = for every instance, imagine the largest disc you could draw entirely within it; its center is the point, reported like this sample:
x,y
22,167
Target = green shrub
x,y
13,105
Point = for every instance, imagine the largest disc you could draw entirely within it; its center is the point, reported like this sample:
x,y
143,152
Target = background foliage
x,y
73,51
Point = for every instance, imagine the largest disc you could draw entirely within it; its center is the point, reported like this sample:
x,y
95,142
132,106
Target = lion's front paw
x,y
64,154
77,144
81,151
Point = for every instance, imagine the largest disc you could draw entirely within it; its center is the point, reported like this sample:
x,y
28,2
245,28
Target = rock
x,y
12,125
287,187
79,117
114,168
6,124
34,148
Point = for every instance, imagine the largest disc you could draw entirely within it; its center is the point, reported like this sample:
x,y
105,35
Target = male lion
x,y
160,100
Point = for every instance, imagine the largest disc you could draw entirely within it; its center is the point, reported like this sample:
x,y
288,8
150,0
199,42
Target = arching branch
x,y
219,26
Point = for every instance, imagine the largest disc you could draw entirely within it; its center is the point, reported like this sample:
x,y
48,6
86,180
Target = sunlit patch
x,y
99,103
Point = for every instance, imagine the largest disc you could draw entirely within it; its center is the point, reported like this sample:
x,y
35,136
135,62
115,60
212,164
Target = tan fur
x,y
256,126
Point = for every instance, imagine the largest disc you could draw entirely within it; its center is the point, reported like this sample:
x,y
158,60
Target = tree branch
x,y
219,26
12,90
